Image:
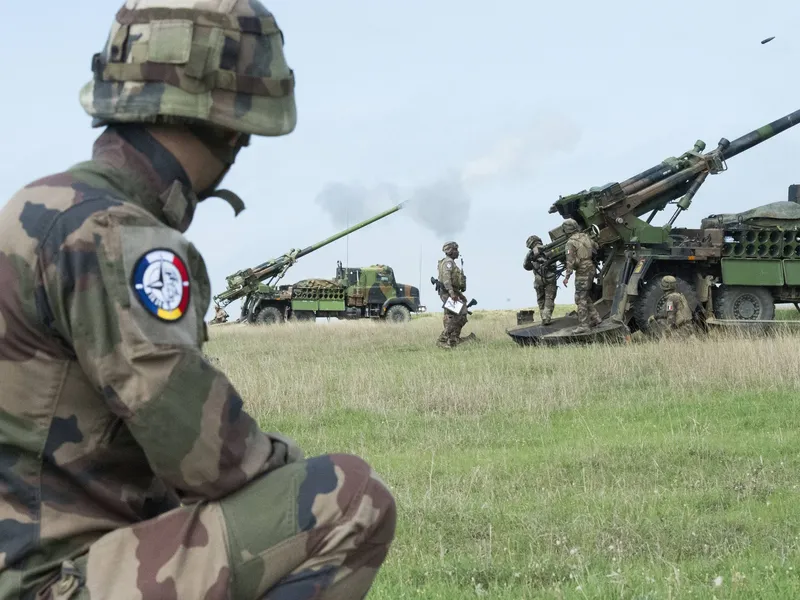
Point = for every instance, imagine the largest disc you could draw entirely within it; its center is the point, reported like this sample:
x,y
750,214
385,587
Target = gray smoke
x,y
443,206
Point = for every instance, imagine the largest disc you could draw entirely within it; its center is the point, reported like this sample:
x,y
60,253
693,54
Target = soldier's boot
x,y
546,316
442,344
594,317
470,338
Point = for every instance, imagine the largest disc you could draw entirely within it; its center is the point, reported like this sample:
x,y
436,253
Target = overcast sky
x,y
482,113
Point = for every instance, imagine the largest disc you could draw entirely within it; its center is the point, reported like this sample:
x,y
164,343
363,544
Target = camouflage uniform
x,y
454,284
676,317
579,250
544,279
220,316
129,467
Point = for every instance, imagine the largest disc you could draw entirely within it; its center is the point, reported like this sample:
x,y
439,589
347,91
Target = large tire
x,y
744,303
398,314
269,315
651,300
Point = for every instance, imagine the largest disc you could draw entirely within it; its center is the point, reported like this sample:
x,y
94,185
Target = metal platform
x,y
562,331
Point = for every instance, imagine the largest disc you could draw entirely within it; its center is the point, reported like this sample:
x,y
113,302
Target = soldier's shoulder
x,y
49,207
448,263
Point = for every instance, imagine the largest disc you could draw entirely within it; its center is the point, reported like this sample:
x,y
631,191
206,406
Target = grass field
x,y
647,470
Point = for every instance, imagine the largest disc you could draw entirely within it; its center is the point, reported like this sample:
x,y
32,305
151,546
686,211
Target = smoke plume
x,y
443,205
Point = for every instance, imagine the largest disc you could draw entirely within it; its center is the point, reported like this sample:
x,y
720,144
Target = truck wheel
x,y
398,314
269,315
651,300
744,303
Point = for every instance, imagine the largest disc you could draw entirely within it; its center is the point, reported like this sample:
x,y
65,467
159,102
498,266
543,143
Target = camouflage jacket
x,y
451,277
534,261
111,414
676,309
579,250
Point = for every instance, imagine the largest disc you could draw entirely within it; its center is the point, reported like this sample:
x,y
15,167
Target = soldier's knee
x,y
343,488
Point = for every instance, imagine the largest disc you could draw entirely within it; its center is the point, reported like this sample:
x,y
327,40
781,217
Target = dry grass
x,y
640,470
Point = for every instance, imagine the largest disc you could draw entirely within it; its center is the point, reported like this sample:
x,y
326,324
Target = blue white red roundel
x,y
161,281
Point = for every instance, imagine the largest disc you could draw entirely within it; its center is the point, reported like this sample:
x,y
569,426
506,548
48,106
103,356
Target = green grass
x,y
647,470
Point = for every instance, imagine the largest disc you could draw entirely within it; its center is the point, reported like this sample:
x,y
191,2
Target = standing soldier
x,y
453,285
130,468
676,316
544,278
580,250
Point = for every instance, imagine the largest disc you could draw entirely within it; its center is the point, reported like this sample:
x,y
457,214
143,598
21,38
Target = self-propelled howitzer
x,y
266,275
726,271
612,211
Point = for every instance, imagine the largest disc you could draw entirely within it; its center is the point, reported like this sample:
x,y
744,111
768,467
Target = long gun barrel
x,y
612,211
246,281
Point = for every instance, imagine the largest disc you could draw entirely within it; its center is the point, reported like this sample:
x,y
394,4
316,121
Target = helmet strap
x,y
218,142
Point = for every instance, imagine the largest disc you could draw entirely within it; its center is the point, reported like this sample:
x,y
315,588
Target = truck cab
x,y
376,289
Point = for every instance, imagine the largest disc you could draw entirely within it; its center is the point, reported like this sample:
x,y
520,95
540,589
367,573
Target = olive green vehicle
x,y
733,269
354,293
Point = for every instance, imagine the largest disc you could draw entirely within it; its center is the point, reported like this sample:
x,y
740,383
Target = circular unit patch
x,y
161,281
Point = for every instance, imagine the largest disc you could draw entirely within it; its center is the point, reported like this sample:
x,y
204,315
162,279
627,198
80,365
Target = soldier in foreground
x,y
454,284
130,468
676,317
580,250
544,278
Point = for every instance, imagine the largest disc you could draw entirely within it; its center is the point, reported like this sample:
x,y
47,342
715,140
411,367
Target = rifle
x,y
441,290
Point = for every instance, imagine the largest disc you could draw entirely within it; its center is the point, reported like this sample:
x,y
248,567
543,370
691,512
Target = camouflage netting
x,y
776,213
320,283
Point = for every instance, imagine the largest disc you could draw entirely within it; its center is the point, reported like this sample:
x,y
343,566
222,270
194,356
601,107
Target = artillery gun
x,y
266,302
732,269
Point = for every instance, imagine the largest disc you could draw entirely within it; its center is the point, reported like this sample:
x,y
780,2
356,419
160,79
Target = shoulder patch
x,y
448,265
162,284
164,296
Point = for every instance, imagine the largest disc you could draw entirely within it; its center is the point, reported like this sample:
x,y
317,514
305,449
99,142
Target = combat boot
x,y
470,338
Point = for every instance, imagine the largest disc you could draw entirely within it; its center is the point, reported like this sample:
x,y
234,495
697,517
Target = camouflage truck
x,y
354,293
733,269
368,292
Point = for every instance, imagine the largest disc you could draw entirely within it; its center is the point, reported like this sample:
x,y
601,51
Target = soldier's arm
x,y
447,278
147,362
527,264
671,310
569,260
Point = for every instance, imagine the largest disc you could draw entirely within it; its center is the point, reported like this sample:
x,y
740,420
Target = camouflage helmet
x,y
668,282
212,62
570,226
448,246
532,241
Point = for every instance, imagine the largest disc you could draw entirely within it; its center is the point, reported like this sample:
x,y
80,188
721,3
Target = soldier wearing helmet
x,y
453,285
580,250
130,466
544,278
220,315
675,316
